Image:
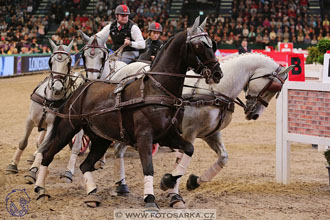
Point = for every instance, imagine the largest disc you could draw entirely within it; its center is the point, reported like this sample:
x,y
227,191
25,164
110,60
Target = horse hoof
x,y
11,169
168,181
30,159
177,202
192,182
99,165
151,207
122,190
42,193
67,176
31,177
92,200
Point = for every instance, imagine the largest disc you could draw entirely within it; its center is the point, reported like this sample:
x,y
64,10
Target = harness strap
x,y
237,101
162,88
45,103
163,74
40,128
222,114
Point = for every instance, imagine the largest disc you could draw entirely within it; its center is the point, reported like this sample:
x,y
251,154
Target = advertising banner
x,y
6,65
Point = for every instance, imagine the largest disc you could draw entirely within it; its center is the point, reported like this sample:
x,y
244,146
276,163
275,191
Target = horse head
x,y
202,51
95,54
60,66
262,87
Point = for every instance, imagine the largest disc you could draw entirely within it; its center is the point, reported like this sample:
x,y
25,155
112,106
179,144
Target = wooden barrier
x,y
302,115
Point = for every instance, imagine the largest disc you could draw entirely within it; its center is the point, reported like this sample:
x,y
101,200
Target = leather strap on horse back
x,y
199,100
224,105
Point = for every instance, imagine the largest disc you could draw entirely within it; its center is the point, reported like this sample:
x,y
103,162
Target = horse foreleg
x,y
176,200
215,142
49,148
144,145
68,174
41,137
98,148
12,167
31,177
100,163
119,170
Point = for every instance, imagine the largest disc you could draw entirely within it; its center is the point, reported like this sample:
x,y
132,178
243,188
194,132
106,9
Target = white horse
x,y
51,92
98,66
262,77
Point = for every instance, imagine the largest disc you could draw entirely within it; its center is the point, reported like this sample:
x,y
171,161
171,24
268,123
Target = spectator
x,y
244,48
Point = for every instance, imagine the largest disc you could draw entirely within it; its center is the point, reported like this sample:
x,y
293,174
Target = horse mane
x,y
233,56
164,47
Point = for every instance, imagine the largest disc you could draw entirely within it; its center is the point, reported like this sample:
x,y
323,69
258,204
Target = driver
x,y
125,32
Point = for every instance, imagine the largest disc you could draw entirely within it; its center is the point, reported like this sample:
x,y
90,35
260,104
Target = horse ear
x,y
103,36
203,24
286,70
195,26
52,44
84,36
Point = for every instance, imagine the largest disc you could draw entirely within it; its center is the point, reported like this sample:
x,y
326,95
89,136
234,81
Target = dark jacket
x,y
242,50
152,48
118,37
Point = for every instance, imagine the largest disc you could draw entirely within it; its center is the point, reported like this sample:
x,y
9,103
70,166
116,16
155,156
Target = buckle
x,y
178,102
218,101
199,103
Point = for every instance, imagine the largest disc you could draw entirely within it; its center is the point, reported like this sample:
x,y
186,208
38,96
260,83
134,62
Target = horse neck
x,y
171,61
237,73
106,71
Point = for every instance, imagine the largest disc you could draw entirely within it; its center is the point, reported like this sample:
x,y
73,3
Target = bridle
x,y
92,46
273,86
203,68
57,76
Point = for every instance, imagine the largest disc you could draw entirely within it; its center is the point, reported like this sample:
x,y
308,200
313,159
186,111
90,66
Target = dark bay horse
x,y
146,111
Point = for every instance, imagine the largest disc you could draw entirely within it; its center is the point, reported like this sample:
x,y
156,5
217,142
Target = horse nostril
x,y
255,117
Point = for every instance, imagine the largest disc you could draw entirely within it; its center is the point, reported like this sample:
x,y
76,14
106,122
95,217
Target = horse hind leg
x,y
215,142
119,170
12,167
98,148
